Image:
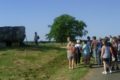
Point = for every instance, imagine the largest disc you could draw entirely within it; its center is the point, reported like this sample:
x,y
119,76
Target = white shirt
x,y
78,45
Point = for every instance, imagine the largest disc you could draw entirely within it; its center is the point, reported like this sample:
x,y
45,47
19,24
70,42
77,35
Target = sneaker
x,y
104,72
110,71
69,67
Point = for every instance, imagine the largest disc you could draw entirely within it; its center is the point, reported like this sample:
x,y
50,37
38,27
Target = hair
x,y
105,42
35,32
94,37
88,37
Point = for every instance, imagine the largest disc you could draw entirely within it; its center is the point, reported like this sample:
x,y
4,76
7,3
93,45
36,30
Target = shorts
x,y
107,60
70,56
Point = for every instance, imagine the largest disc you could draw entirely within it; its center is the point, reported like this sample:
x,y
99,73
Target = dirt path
x,y
96,74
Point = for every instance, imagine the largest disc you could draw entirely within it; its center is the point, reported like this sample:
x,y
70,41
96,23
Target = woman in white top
x,y
78,48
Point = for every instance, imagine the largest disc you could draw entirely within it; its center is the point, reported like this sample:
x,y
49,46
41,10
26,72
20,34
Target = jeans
x,y
99,60
95,54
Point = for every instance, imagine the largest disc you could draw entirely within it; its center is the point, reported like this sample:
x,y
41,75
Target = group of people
x,y
104,51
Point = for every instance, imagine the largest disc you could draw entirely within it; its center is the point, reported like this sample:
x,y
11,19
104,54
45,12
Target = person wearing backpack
x,y
78,48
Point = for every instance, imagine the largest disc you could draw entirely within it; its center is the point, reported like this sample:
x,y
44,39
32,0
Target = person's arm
x,y
68,46
81,49
102,51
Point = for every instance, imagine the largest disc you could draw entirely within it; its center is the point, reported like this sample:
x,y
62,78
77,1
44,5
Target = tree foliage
x,y
66,26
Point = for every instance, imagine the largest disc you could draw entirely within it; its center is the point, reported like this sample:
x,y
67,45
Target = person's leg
x,y
113,65
99,58
69,64
108,66
78,58
99,61
104,68
72,64
88,60
70,61
116,64
104,64
36,42
118,55
75,59
85,59
95,55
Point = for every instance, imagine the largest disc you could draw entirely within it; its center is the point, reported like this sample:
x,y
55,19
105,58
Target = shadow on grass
x,y
42,48
45,71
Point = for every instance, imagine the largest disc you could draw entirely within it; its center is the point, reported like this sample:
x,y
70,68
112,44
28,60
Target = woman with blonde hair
x,y
70,54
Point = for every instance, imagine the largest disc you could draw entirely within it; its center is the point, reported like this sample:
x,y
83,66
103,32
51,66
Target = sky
x,y
101,16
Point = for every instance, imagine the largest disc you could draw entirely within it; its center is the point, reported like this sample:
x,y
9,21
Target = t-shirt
x,y
86,49
78,48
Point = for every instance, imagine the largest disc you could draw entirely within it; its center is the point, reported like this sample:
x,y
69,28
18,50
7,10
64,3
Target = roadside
x,y
96,74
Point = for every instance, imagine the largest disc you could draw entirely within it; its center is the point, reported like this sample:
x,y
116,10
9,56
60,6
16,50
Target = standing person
x,y
89,43
94,48
115,53
105,54
99,46
70,54
86,52
78,52
118,49
36,38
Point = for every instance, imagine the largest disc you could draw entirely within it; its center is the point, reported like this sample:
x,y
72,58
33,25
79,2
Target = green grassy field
x,y
46,62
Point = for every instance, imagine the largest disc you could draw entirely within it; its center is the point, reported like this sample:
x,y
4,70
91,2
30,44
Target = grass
x,y
46,62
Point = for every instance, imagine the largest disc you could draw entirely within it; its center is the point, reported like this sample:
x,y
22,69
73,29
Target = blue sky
x,y
101,16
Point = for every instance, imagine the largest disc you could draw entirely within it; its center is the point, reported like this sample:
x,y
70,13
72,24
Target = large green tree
x,y
66,26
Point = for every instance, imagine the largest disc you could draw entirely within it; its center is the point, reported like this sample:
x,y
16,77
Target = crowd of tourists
x,y
104,51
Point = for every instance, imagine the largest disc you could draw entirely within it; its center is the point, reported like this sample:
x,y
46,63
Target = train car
x,y
12,34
